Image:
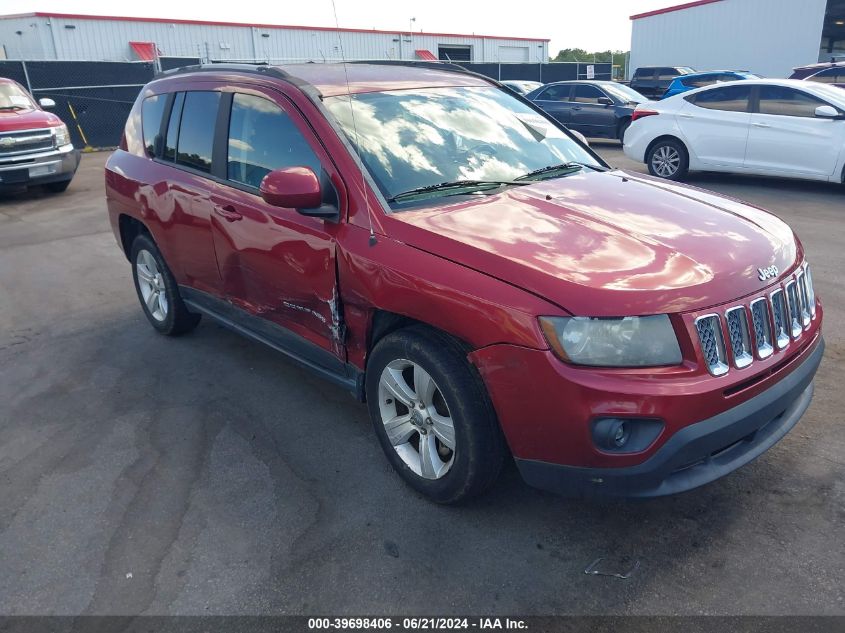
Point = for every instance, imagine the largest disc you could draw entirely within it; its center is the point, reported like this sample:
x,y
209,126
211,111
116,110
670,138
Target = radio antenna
x,y
354,128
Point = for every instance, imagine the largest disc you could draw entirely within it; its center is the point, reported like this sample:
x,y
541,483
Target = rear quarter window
x,y
152,110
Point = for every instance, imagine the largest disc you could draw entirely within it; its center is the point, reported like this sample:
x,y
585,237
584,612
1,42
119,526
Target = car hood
x,y
13,120
609,244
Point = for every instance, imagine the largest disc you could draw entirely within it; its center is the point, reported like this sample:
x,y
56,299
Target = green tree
x,y
580,55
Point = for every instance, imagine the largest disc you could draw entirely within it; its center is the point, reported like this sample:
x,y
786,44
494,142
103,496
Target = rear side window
x,y
152,110
785,101
555,93
700,81
196,130
644,73
173,127
262,138
729,99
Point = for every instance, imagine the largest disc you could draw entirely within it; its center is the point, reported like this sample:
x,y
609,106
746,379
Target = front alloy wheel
x,y
416,419
432,415
668,159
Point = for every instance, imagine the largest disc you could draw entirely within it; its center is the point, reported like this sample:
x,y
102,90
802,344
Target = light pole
x,y
411,25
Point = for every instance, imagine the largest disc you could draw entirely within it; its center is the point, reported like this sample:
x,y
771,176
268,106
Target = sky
x,y
593,26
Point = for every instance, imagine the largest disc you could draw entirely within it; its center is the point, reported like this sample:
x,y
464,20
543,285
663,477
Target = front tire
x,y
668,159
157,290
432,415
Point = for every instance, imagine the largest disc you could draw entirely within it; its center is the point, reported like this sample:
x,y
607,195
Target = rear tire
x,y
668,159
157,290
432,415
623,127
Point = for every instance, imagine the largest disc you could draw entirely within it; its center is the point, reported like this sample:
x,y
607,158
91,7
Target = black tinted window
x,y
729,98
555,93
151,111
644,73
829,76
587,94
173,127
787,102
667,73
262,137
700,81
196,132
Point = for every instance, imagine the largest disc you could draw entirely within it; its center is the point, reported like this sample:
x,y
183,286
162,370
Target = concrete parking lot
x,y
208,475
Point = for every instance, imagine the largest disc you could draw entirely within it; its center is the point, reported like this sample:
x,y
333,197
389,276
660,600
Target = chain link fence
x,y
95,98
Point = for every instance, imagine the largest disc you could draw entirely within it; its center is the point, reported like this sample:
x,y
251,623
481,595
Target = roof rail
x,y
256,68
447,66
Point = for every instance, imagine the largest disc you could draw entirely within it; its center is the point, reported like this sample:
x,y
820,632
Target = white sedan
x,y
770,127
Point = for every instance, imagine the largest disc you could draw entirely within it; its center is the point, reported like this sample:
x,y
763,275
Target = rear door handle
x,y
761,125
686,116
228,213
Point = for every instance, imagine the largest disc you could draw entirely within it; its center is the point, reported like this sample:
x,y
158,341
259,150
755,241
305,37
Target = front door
x,y
787,137
274,262
590,117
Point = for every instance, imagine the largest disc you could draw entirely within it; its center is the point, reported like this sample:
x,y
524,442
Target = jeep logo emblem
x,y
767,273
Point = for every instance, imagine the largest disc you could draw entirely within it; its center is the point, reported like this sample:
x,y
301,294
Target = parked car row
x,y
772,127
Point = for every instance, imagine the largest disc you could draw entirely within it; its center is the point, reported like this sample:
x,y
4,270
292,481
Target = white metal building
x,y
54,36
768,37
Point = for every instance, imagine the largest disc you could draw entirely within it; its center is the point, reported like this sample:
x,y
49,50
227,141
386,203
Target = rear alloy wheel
x,y
668,159
432,415
157,290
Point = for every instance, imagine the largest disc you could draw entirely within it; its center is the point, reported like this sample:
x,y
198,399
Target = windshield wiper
x,y
562,168
11,107
475,185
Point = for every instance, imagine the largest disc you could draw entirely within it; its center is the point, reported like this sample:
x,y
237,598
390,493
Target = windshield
x,y
623,92
13,96
409,139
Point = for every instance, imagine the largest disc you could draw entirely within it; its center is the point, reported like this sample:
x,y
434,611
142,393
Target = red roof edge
x,y
677,7
79,16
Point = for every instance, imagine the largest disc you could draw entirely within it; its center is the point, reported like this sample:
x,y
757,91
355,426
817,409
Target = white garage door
x,y
513,54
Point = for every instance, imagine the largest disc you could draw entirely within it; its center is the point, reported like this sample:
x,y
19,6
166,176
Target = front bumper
x,y
39,168
696,454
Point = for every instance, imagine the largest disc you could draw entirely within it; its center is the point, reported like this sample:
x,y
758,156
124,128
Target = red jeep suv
x,y
35,146
464,265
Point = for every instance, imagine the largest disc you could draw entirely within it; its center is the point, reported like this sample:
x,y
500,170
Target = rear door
x,y
787,138
715,124
590,117
274,262
183,198
556,101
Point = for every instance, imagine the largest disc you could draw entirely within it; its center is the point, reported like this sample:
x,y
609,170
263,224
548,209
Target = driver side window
x,y
262,137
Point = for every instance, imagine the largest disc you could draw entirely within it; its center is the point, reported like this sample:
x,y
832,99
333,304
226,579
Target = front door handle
x,y
228,213
761,125
686,115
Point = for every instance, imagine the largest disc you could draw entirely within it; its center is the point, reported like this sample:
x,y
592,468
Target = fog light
x,y
620,436
629,435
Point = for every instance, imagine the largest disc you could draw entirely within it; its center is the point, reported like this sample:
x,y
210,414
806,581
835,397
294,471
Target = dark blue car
x,y
598,109
701,79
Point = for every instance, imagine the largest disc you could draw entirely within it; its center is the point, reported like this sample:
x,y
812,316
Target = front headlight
x,y
618,342
62,135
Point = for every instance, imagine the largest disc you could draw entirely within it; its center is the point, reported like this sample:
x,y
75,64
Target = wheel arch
x,y
130,228
664,137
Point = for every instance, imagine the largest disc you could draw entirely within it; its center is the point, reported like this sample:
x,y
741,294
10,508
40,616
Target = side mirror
x,y
605,101
296,188
46,102
579,136
828,112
